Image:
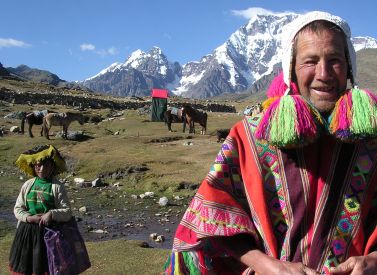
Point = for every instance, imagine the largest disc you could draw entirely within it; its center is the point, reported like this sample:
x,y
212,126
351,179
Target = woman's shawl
x,y
316,205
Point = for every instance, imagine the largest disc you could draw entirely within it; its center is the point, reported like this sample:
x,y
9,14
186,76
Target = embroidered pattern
x,y
212,219
225,172
349,216
275,195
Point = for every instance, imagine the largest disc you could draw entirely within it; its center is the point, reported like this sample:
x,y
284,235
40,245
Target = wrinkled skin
x,y
321,67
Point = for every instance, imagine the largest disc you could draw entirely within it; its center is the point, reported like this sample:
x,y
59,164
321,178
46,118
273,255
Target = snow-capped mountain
x,y
249,54
137,75
364,42
245,61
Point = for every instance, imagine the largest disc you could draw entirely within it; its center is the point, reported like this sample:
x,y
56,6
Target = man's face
x,y
321,68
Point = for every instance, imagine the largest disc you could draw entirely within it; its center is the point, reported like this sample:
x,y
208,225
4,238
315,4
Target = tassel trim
x,y
354,116
185,262
289,121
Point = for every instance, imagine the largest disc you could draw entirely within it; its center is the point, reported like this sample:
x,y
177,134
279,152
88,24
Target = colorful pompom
x,y
354,116
289,121
278,87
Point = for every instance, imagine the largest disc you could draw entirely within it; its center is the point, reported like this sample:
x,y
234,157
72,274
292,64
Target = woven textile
x,y
313,204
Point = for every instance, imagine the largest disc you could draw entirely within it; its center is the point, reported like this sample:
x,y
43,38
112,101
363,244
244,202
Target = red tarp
x,y
159,93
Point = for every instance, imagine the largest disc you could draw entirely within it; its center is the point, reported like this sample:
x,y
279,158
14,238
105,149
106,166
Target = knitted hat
x,y
296,25
28,159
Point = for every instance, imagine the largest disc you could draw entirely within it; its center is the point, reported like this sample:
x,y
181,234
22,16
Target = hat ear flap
x,y
289,121
354,116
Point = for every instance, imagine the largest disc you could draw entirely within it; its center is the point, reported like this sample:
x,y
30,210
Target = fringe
x,y
354,116
289,121
185,262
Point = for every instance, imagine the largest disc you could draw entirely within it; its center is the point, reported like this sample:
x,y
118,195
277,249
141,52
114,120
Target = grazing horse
x,y
35,117
193,116
61,119
173,114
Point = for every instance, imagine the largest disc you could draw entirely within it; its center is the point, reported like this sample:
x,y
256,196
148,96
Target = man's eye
x,y
309,62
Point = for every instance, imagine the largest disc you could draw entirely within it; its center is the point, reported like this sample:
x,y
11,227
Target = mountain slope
x,y
247,61
137,75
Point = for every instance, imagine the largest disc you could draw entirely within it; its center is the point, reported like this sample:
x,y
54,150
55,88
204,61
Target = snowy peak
x,y
250,56
137,75
365,42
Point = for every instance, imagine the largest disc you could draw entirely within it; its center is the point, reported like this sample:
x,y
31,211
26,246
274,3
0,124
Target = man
x,y
306,205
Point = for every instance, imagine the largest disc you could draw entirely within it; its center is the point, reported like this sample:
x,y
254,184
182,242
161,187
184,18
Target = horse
x,y
61,119
35,117
173,114
193,116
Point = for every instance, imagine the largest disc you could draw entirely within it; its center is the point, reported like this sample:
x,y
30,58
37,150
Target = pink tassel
x,y
278,87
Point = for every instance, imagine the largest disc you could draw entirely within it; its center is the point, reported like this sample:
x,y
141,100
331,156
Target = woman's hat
x,y
40,153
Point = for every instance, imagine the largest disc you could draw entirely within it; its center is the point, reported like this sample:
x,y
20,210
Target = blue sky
x,y
76,39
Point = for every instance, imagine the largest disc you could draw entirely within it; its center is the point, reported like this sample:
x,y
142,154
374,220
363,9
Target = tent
x,y
159,104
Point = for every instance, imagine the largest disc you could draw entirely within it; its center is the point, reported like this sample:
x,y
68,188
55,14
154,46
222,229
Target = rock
x,y
149,194
78,180
163,201
83,209
144,245
14,129
134,197
160,239
153,236
99,231
97,183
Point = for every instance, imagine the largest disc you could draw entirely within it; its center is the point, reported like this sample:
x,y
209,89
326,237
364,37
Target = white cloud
x,y
87,47
109,51
167,36
251,12
10,43
101,52
112,51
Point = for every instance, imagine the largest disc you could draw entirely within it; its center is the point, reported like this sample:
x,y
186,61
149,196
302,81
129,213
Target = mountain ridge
x,y
245,62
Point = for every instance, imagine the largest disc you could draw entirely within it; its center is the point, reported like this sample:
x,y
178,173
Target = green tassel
x,y
191,266
167,263
364,114
283,130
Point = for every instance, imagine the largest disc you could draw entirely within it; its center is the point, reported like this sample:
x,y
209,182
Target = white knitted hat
x,y
295,26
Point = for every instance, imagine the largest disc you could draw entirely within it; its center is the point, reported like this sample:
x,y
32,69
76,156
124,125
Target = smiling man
x,y
300,205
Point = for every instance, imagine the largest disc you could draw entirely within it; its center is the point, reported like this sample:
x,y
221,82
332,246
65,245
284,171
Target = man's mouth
x,y
324,92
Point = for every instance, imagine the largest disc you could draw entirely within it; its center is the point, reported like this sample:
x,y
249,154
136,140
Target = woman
x,y
42,200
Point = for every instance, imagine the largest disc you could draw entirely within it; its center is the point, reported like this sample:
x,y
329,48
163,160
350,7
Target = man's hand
x,y
46,219
34,218
263,264
358,265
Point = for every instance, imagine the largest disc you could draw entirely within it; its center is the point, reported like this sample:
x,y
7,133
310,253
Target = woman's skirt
x,y
28,252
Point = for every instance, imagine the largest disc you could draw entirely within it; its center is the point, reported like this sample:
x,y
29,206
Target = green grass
x,y
108,257
168,163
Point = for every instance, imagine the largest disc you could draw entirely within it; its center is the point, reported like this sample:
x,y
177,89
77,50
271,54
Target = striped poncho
x,y
316,204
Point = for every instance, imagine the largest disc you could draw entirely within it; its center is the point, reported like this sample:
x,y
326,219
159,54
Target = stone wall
x,y
95,102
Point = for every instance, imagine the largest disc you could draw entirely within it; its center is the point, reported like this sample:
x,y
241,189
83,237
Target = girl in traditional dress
x,y
42,200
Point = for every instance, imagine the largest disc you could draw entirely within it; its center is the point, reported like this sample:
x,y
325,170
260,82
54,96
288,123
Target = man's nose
x,y
323,70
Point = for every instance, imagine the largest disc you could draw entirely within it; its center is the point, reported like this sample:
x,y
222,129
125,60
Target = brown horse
x,y
61,119
173,114
35,117
193,116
